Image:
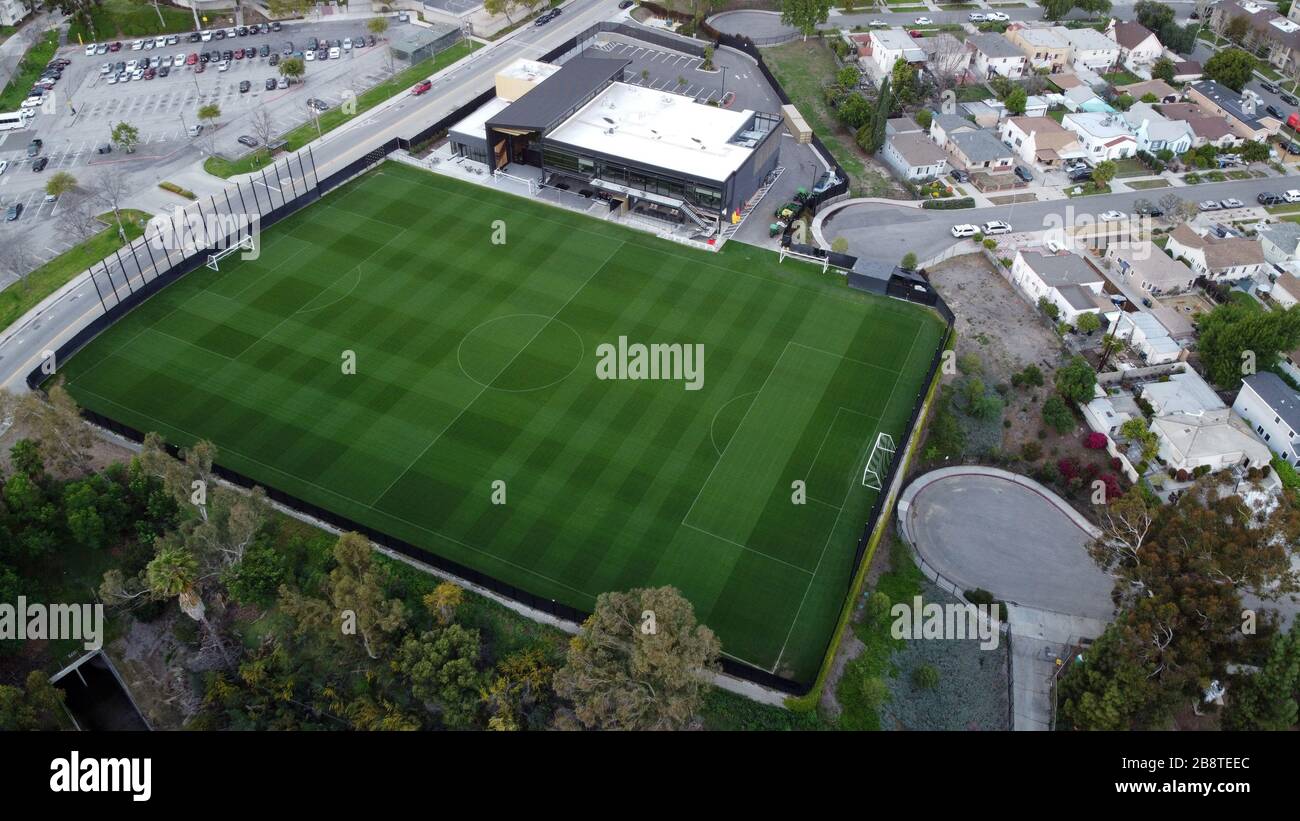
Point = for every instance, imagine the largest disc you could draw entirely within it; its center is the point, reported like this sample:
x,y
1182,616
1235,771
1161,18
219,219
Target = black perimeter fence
x,y
142,268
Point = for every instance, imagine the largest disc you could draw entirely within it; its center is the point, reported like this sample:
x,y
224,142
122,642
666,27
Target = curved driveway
x,y
982,527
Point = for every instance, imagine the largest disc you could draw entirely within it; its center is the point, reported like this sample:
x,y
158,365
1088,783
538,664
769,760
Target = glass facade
x,y
704,196
469,152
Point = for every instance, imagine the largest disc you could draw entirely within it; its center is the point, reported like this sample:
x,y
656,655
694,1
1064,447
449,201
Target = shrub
x,y
925,677
1182,475
878,606
1057,415
949,204
1068,468
176,189
1095,441
1031,451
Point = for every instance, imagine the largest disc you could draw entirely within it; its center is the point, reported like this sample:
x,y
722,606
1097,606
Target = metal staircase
x,y
730,229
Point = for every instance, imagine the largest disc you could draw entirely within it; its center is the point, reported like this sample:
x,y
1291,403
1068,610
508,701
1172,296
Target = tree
x,y
60,183
1076,380
126,137
1094,7
1088,323
354,598
1016,101
210,114
1057,416
903,82
1049,308
16,257
64,438
639,662
37,706
111,188
1163,69
1230,67
1056,9
1235,341
805,15
1267,700
492,7
1176,210
78,217
442,666
1103,172
1136,430
262,125
1153,15
1123,102
909,261
292,68
1254,151
444,601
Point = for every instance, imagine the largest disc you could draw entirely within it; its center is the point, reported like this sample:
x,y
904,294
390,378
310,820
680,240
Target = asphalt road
x,y
21,347
886,233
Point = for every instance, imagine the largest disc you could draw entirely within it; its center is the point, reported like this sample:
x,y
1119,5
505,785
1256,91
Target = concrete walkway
x,y
979,527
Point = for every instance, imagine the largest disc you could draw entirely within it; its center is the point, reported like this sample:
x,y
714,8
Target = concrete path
x,y
983,527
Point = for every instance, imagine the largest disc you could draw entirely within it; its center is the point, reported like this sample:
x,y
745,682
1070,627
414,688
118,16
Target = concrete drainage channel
x,y
976,527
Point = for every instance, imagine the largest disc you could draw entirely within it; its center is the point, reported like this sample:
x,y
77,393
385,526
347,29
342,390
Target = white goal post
x,y
882,453
244,244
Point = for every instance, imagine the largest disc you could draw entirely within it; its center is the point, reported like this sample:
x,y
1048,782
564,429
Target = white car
x,y
1208,205
1230,203
878,24
1291,196
225,66
136,45
310,55
923,21
283,82
112,79
194,130
1112,216
138,74
965,230
977,17
3,165
31,102
160,42
90,49
998,17
347,44
334,53
166,63
206,36
106,68
993,227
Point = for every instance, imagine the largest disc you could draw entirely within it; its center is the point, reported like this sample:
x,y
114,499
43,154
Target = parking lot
x,y
87,107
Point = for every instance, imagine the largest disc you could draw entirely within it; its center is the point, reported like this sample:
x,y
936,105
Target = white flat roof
x,y
525,69
475,125
659,128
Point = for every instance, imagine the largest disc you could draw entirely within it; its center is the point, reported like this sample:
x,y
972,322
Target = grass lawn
x,y
1141,185
801,68
29,71
131,18
1057,114
1121,78
974,93
1087,189
305,133
1131,167
1288,208
21,297
477,363
1246,300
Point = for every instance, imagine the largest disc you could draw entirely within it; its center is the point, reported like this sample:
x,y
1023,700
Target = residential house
x,y
1268,32
1206,129
982,114
888,46
980,150
1041,141
947,57
1082,98
994,54
1187,71
1065,280
1155,132
1162,91
1281,243
942,126
1104,136
1090,48
1213,439
1286,290
1045,49
1240,110
1181,392
12,12
914,156
1148,337
1137,45
1149,269
1273,409
1217,258
1290,364
900,125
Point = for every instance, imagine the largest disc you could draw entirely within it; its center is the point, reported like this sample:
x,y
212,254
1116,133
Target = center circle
x,y
519,353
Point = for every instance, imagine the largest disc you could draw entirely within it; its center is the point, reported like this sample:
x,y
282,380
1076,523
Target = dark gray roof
x,y
1279,396
994,45
1228,100
555,98
980,146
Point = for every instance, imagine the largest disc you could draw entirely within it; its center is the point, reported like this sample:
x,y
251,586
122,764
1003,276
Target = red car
x,y
115,46
421,87
192,59
914,33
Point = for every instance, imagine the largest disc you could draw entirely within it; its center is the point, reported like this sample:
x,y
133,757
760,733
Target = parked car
x,y
1291,195
309,57
1024,173
998,17
421,87
40,163
1080,175
3,165
245,139
977,17
269,85
195,130
1232,203
283,82
318,104
1147,209
244,86
34,147
958,175
1270,87
922,21
274,59
1289,99
825,182
1274,111
1268,198
334,53
1112,216
1208,205
965,230
625,4
14,211
993,227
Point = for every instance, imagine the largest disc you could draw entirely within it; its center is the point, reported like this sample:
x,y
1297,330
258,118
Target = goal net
x,y
882,453
245,244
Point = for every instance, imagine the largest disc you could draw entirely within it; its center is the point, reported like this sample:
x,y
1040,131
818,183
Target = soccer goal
x,y
244,244
882,453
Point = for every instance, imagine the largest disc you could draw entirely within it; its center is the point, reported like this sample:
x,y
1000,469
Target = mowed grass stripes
x,y
476,363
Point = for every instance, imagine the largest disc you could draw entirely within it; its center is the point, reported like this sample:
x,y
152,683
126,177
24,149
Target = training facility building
x,y
417,43
649,151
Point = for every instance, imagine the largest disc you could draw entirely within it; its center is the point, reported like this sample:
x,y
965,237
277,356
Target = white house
x,y
12,12
1183,392
1273,409
1148,337
943,126
1281,243
1090,48
1218,258
1214,439
888,46
1104,136
995,54
1155,132
1041,141
1066,280
914,156
1145,266
1137,45
1286,290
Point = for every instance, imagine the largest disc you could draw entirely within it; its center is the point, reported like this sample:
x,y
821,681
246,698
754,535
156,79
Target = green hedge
x,y
949,204
29,71
176,189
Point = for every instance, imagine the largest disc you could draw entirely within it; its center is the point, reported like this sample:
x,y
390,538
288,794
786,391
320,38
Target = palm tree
x,y
292,68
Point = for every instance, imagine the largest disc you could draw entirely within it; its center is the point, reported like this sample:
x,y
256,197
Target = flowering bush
x,y
1069,468
1095,441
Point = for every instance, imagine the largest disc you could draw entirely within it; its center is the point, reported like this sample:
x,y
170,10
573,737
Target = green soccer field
x,y
476,365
